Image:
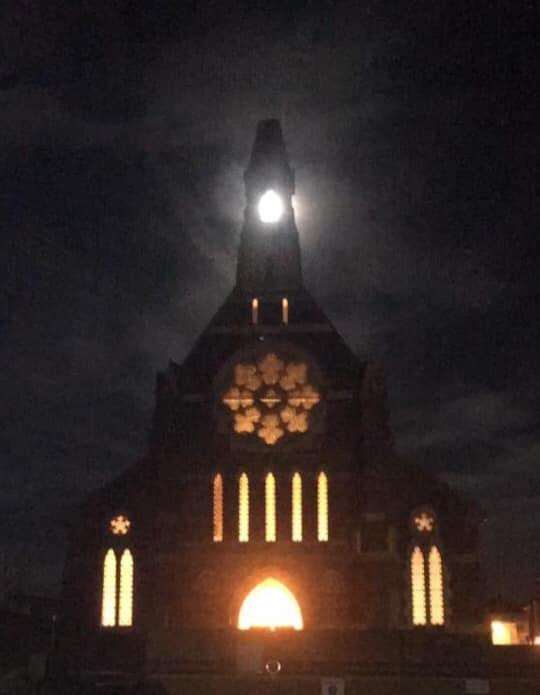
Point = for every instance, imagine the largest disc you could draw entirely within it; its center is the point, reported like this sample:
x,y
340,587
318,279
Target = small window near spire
x,y
285,310
254,311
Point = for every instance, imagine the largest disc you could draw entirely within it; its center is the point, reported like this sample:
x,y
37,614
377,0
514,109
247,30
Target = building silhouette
x,y
271,534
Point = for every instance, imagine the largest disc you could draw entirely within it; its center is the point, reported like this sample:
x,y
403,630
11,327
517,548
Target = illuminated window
x,y
108,603
218,508
504,633
243,509
322,507
418,587
125,609
270,604
436,591
270,507
424,585
297,508
254,310
285,310
270,398
119,525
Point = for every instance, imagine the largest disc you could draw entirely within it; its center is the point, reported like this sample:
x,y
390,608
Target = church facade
x,y
271,527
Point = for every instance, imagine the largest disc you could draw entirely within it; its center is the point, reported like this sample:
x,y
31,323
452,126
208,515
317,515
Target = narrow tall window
x,y
436,590
285,310
218,508
322,507
297,508
418,587
270,508
108,601
243,509
254,310
125,609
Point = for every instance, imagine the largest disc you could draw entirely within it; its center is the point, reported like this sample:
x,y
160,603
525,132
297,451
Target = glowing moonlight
x,y
270,207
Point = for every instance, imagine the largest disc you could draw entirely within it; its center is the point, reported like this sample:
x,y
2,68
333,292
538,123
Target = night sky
x,y
125,128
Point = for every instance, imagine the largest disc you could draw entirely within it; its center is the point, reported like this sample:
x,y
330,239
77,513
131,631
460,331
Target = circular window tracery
x,y
424,521
271,397
119,525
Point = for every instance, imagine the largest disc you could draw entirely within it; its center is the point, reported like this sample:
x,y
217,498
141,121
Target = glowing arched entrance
x,y
270,604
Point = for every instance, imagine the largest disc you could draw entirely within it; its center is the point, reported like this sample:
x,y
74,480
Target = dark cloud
x,y
125,128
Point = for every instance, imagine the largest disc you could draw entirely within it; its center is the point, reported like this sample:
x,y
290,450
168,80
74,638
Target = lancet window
x,y
243,508
426,572
267,504
322,507
270,508
217,502
117,589
296,508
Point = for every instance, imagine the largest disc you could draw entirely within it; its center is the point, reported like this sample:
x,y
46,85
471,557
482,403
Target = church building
x,y
271,532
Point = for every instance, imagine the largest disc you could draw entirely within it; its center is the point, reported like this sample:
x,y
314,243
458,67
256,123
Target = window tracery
x,y
117,590
427,572
119,525
271,398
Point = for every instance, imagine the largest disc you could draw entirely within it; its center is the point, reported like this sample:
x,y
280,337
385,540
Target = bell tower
x,y
269,255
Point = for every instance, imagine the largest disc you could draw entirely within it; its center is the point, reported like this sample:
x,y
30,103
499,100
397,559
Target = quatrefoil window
x,y
270,398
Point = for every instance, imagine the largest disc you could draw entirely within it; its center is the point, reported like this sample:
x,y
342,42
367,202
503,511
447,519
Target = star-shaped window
x,y
424,522
119,525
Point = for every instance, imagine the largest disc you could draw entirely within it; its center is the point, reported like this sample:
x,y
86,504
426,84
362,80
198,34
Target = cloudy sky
x,y
125,127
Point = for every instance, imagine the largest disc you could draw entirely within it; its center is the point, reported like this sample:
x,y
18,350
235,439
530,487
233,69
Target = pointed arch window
x,y
436,588
418,587
322,507
117,593
125,605
108,598
217,499
270,508
427,586
296,508
243,508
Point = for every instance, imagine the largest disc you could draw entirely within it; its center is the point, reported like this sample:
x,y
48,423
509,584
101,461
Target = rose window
x,y
119,525
424,522
271,398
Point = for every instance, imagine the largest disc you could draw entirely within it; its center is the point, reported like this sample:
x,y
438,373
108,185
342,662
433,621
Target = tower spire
x,y
269,256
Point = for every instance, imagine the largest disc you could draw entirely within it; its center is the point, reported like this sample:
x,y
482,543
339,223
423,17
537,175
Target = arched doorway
x,y
272,605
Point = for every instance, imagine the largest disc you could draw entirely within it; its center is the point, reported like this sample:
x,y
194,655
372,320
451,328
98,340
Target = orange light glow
x,y
218,508
270,604
296,508
322,507
270,508
285,310
243,509
504,633
125,608
254,310
418,587
108,600
436,592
